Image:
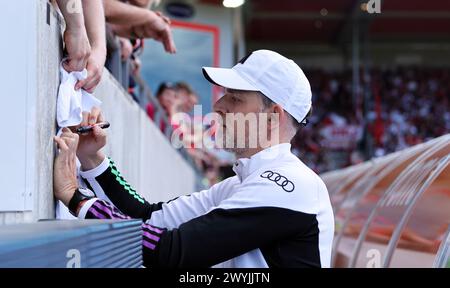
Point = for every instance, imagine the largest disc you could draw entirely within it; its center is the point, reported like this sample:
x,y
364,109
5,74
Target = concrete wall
x,y
144,156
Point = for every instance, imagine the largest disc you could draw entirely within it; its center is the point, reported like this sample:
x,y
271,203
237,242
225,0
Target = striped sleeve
x,y
99,209
108,184
150,239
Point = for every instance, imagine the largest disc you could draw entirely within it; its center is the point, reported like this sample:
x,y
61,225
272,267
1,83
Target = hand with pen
x,y
85,142
92,139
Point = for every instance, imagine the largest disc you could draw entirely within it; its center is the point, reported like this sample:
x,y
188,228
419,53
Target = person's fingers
x,y
65,137
66,66
168,42
80,84
93,117
98,132
91,84
69,134
172,44
127,49
66,132
100,117
75,138
71,65
91,88
164,17
61,143
93,79
85,121
71,142
68,138
173,48
167,19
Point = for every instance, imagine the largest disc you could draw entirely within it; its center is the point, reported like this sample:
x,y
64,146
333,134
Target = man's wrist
x,y
151,19
91,162
98,48
77,201
76,26
66,197
74,21
80,205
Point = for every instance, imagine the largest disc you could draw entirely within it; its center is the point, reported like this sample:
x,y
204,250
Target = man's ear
x,y
275,114
278,110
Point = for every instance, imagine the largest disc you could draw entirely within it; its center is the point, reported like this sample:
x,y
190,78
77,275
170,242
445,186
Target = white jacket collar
x,y
243,167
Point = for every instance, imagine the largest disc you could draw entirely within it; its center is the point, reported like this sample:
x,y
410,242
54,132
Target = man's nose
x,y
220,107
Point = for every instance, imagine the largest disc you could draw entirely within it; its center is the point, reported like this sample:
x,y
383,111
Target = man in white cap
x,y
275,212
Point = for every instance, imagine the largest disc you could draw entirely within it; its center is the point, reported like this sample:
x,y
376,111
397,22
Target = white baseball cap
x,y
270,73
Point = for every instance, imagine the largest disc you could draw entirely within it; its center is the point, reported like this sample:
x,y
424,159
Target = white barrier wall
x,y
29,89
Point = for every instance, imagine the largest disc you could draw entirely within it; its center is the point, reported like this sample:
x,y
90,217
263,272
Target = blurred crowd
x,y
406,106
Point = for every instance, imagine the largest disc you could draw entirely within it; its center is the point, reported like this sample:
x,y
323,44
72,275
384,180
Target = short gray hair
x,y
267,102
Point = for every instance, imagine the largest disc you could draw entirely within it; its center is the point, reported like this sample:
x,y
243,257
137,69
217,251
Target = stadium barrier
x,y
393,211
72,244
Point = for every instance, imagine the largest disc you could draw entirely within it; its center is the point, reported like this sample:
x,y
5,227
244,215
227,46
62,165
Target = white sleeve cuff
x,y
97,171
84,209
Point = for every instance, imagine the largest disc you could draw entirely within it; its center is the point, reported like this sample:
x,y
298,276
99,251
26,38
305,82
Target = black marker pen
x,y
87,129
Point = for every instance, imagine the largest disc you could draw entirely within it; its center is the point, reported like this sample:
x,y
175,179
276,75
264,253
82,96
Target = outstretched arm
x,y
94,18
108,184
135,22
104,179
75,36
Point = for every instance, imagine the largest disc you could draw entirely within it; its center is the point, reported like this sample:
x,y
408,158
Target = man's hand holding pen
x,y
85,146
92,142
